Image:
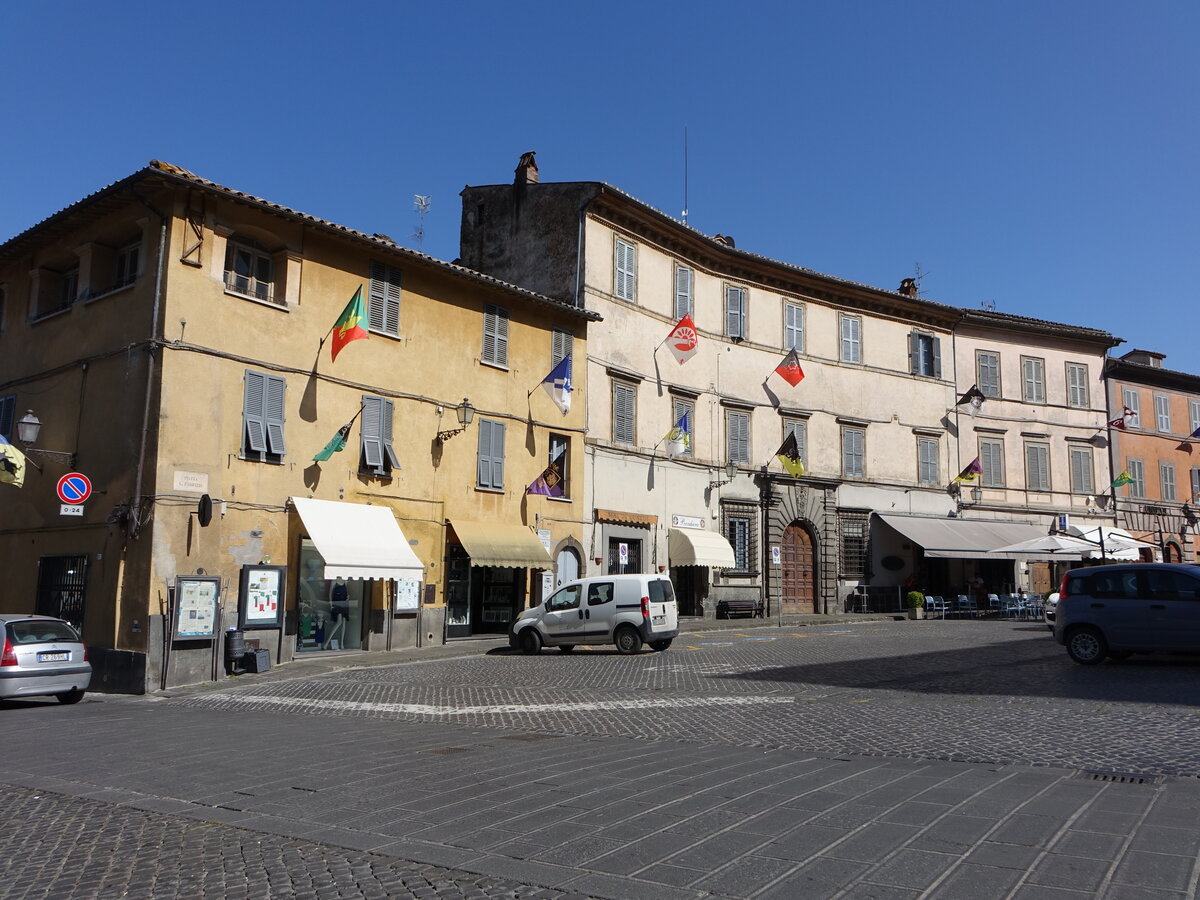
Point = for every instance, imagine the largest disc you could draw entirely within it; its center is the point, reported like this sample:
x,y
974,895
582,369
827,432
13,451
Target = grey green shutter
x,y
800,430
383,308
683,292
735,312
914,353
738,433
991,459
1037,467
851,340
387,412
490,454
624,410
678,408
852,451
1077,392
371,432
937,356
988,366
254,420
927,461
273,407
495,335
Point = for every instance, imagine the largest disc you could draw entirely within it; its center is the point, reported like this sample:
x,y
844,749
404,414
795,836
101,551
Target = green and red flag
x,y
351,324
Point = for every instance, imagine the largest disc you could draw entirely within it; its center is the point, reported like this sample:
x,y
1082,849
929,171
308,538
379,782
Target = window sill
x,y
49,314
488,490
282,307
493,365
560,499
110,291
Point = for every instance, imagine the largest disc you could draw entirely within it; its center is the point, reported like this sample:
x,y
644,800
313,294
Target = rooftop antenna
x,y
421,205
989,305
685,175
918,275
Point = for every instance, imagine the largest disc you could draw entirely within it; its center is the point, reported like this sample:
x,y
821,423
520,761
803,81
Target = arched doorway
x,y
1172,553
798,576
568,567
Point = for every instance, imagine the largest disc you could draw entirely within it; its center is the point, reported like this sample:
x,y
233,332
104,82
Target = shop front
x,y
348,549
692,552
488,568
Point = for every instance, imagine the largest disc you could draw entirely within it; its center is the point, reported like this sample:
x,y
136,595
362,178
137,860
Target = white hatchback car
x,y
42,656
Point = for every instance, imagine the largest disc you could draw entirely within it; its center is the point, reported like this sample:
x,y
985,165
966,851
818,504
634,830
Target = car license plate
x,y
53,657
658,620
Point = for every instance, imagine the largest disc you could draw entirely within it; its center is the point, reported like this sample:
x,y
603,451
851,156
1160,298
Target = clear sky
x,y
1042,156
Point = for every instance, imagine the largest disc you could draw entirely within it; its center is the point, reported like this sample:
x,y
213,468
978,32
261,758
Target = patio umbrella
x,y
1051,546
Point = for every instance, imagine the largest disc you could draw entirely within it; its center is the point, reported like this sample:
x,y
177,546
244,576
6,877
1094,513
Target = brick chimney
x,y
527,170
908,287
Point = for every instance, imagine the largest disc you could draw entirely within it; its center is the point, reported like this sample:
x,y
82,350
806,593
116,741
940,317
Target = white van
x,y
625,610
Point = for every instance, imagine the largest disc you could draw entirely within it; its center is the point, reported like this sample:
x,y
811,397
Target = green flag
x,y
336,444
1123,478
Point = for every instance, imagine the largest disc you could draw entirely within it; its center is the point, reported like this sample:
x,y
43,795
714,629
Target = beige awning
x,y
692,547
359,541
961,538
619,517
501,544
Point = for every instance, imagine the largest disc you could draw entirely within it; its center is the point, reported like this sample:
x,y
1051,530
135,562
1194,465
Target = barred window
x,y
738,527
853,528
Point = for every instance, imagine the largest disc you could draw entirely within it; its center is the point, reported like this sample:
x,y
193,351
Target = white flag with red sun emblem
x,y
684,340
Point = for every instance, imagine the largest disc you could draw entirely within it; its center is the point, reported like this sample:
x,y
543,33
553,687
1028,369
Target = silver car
x,y
42,656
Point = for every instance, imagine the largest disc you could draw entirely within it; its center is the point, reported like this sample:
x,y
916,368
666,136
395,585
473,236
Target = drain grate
x,y
527,737
1119,777
447,751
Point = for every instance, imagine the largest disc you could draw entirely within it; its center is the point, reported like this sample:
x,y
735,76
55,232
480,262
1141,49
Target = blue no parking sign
x,y
74,487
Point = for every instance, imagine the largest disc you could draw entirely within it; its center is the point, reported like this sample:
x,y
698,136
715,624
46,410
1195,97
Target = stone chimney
x,y
908,287
527,170
725,239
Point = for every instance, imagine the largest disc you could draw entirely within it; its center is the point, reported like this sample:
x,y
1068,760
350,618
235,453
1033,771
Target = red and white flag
x,y
683,340
789,370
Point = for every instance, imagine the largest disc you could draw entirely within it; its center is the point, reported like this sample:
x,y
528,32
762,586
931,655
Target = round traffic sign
x,y
74,487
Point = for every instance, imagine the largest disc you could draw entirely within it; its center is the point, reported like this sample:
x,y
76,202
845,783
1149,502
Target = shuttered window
x,y
987,373
1195,484
1082,481
793,327
1077,385
262,417
1133,402
991,458
495,335
625,277
383,307
1166,481
683,292
491,455
562,342
8,406
378,455
799,428
1193,416
927,461
1162,412
1033,379
735,311
851,342
1037,467
924,355
1137,471
624,412
853,452
679,407
737,436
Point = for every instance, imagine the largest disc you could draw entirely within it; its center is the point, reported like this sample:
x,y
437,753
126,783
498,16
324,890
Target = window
x,y
490,468
927,460
8,410
377,455
1037,467
1162,413
793,327
624,412
924,355
70,287
737,436
738,528
799,428
562,342
683,292
262,417
735,312
679,407
851,330
1132,399
125,265
1033,379
1082,481
1137,471
1077,386
495,336
626,271
1193,405
854,545
1166,481
853,448
991,458
987,372
1195,484
383,307
248,269
560,449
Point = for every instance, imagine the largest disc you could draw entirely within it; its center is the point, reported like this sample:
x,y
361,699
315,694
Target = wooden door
x,y
799,570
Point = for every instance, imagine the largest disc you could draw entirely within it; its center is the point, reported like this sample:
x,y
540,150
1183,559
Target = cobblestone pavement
x,y
935,760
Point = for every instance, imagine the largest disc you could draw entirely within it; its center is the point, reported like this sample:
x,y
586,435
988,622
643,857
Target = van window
x,y
567,598
1113,585
600,593
661,592
1172,586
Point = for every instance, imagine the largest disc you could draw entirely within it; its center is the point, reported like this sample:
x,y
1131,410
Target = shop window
x,y
383,305
377,455
262,417
632,555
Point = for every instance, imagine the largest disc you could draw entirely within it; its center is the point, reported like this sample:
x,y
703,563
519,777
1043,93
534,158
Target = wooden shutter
x,y
914,353
851,349
800,430
737,426
383,307
254,420
490,455
387,412
624,410
852,447
372,437
495,335
1037,467
735,311
273,408
793,338
683,292
991,459
1132,399
937,356
988,373
927,463
561,345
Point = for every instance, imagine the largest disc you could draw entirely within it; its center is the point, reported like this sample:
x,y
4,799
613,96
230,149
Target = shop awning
x,y
358,541
692,547
961,538
499,544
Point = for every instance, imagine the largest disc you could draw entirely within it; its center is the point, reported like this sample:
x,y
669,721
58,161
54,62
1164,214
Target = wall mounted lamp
x,y
465,412
28,429
731,470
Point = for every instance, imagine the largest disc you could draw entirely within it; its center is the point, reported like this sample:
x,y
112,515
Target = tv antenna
x,y
918,276
685,175
421,204
989,305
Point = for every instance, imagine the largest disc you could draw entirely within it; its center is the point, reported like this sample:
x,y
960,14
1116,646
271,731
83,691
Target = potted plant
x,y
916,604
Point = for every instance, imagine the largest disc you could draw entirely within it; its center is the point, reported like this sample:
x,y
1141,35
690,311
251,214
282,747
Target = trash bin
x,y
235,649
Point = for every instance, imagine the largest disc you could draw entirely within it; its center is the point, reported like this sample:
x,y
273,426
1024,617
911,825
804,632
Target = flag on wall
x,y
683,339
679,438
336,444
974,396
789,370
1195,434
973,470
351,324
12,464
1122,479
789,456
1188,514
558,384
1118,422
550,482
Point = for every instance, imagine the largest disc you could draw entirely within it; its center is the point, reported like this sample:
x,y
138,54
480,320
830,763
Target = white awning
x,y
502,544
359,541
961,538
692,547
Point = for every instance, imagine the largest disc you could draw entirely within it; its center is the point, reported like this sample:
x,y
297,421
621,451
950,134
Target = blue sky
x,y
1041,156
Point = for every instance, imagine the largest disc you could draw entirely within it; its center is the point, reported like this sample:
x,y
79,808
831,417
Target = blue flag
x,y
1196,433
679,438
558,384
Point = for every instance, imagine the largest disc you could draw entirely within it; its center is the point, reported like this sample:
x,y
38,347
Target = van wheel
x,y
70,697
627,639
565,648
531,641
660,645
1086,645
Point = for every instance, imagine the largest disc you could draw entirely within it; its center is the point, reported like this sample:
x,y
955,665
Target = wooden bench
x,y
740,606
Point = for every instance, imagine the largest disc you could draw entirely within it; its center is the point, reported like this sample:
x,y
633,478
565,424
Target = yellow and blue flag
x,y
12,464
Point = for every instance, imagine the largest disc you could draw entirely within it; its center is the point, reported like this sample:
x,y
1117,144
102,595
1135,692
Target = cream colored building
x,y
172,336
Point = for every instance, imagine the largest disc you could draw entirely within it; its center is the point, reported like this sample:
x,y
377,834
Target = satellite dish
x,y
204,510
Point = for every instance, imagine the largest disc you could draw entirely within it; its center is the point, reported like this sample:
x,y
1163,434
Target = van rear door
x,y
664,613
